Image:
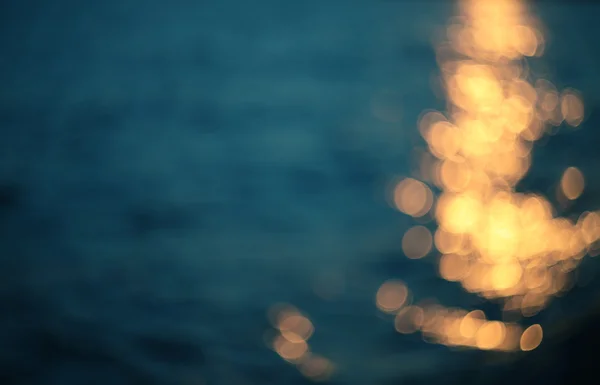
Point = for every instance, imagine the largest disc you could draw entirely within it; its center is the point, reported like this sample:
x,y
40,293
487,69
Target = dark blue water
x,y
169,170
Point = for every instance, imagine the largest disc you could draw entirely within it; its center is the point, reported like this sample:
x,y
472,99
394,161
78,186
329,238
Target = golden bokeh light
x,y
572,183
589,225
512,335
490,335
316,367
571,107
289,339
531,338
471,323
288,350
296,328
457,327
412,197
489,235
506,275
496,242
417,242
391,296
409,319
454,267
447,242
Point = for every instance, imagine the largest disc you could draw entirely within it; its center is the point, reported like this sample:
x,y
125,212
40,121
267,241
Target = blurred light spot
x,y
454,267
589,224
537,278
511,339
550,101
289,350
447,242
572,183
571,107
458,213
525,40
444,140
296,328
427,120
417,242
413,197
531,338
409,319
316,368
506,275
532,303
455,176
471,323
427,168
490,335
496,242
391,296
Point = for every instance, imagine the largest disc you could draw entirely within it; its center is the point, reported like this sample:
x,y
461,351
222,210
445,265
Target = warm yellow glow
x,y
455,176
589,225
447,242
506,275
471,323
289,350
413,197
532,302
454,267
531,338
296,328
571,107
496,242
511,338
490,335
525,40
290,340
391,296
572,183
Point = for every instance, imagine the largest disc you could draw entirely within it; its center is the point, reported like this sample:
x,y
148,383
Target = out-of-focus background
x,y
171,170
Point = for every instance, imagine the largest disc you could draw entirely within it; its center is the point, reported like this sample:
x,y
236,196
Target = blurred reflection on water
x,y
169,172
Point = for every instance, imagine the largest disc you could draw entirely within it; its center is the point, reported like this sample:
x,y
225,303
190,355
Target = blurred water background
x,y
170,170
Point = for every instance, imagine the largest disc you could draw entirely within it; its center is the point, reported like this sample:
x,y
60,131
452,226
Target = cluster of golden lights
x,y
453,327
495,242
293,330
